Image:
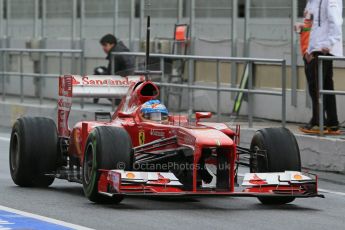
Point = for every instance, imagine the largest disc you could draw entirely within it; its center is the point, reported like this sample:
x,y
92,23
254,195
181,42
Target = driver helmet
x,y
153,110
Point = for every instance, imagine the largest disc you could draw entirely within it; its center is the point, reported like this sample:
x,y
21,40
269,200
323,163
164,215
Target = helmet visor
x,y
156,116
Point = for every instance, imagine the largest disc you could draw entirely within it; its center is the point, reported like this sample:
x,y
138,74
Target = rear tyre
x,y
282,153
106,148
33,151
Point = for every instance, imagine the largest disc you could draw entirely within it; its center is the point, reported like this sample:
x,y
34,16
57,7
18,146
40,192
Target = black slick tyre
x,y
33,151
282,151
106,148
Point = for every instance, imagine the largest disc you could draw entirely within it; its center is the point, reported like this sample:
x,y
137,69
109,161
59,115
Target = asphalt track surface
x,y
65,201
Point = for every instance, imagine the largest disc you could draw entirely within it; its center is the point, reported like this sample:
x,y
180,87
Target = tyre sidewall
x,y
22,174
91,187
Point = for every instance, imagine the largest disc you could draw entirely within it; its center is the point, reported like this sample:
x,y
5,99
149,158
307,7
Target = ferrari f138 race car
x,y
142,150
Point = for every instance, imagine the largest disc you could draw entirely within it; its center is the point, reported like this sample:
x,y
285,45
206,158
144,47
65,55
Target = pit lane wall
x,y
317,153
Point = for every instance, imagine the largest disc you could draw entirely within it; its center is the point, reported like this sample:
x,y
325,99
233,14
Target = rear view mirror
x,y
200,115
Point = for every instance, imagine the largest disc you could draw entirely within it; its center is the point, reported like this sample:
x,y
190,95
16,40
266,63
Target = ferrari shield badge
x,y
141,137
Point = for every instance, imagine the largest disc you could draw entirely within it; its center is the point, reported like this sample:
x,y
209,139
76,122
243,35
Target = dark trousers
x,y
330,107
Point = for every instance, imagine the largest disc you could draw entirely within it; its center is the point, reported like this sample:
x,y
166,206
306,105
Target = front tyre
x,y
282,154
106,148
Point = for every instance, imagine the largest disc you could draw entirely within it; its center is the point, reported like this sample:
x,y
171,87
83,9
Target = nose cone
x,y
205,137
212,137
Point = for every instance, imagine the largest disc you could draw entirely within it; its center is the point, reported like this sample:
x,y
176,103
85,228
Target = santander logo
x,y
103,81
75,81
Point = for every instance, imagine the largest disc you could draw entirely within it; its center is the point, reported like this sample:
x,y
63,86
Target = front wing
x,y
285,184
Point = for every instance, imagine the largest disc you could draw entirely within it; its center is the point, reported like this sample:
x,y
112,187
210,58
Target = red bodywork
x,y
178,132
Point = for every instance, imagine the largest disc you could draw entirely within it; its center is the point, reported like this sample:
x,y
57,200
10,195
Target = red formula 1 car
x,y
129,154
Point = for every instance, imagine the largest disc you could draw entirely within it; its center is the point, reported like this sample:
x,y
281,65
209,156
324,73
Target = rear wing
x,y
91,86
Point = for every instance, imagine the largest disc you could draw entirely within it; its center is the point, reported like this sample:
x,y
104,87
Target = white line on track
x,y
43,218
5,139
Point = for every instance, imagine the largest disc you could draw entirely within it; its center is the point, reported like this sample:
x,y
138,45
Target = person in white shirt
x,y
325,39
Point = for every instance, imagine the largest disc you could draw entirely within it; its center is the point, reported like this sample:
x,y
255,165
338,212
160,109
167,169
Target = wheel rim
x,y
15,149
88,164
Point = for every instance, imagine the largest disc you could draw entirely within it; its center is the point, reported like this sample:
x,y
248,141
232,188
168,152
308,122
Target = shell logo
x,y
297,177
130,175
